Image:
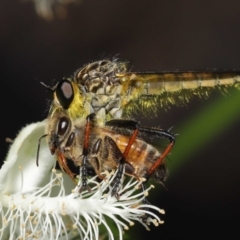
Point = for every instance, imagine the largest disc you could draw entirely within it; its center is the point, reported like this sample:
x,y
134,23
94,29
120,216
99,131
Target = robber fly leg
x,y
160,160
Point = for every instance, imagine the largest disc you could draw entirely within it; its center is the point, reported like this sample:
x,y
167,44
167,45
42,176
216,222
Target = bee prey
x,y
120,145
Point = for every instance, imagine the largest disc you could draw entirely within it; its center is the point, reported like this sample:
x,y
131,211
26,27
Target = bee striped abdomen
x,y
141,155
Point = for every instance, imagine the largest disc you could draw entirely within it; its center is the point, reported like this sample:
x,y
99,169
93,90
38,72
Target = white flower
x,y
39,203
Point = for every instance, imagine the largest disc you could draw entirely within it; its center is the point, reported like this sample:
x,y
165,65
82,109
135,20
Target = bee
x,y
120,145
107,91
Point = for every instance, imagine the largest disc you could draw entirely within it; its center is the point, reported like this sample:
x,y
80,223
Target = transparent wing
x,y
150,91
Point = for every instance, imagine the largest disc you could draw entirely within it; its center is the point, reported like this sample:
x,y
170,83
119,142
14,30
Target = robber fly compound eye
x,y
65,93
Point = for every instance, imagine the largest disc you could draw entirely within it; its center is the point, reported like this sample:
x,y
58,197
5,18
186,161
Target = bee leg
x,y
113,155
122,163
63,164
83,169
123,167
118,179
84,175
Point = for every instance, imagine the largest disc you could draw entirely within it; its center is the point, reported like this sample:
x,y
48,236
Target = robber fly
x,y
106,90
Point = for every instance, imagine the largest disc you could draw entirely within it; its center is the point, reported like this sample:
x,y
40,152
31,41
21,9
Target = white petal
x,y
20,172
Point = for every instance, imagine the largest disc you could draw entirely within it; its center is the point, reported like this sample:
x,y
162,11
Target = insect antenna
x,y
38,148
52,89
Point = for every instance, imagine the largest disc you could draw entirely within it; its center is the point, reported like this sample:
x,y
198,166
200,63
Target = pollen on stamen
x,y
58,183
108,175
59,175
35,221
13,207
162,211
147,228
155,222
145,194
63,209
5,222
74,226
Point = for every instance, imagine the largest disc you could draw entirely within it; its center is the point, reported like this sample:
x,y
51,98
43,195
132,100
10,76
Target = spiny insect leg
x,y
84,175
122,163
156,133
84,172
144,132
118,179
171,138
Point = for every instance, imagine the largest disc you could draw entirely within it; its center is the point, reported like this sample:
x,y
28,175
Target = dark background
x,y
203,197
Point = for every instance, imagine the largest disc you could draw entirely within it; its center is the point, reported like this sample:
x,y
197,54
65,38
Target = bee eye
x,y
63,126
65,93
70,140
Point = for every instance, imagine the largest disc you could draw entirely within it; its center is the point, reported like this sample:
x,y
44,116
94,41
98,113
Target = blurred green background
x,y
203,196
